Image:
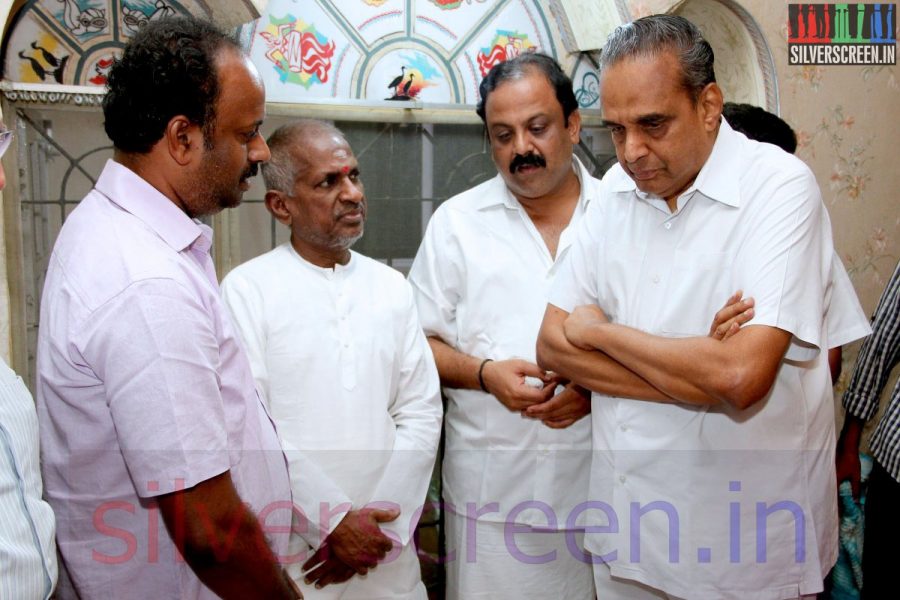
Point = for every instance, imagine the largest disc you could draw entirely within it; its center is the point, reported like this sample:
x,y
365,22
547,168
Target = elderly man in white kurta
x,y
338,353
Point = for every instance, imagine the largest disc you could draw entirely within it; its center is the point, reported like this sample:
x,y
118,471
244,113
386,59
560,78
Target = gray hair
x,y
282,169
650,36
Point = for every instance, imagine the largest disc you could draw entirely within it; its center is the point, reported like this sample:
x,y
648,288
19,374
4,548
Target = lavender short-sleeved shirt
x,y
142,390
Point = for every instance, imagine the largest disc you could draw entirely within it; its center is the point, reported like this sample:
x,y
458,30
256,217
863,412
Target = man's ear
x,y
574,126
183,139
711,101
276,204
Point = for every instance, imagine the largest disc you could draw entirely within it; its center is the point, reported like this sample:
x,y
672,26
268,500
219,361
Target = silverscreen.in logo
x,y
842,34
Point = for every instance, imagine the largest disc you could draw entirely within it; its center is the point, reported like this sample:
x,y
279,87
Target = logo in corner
x,y
842,34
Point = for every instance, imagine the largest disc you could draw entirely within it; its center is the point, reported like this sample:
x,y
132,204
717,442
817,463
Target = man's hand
x,y
847,455
331,571
731,317
357,541
563,409
505,379
579,323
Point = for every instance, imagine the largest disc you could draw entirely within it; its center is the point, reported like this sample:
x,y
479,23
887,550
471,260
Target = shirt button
x,y
668,226
621,479
656,279
624,427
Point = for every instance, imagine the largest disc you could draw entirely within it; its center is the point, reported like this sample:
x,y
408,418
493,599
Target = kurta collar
x,y
338,269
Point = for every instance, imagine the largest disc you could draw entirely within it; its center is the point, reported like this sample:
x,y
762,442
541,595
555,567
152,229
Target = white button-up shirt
x,y
481,279
339,356
712,502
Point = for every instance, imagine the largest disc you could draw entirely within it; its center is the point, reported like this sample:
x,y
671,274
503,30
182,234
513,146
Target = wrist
x,y
481,382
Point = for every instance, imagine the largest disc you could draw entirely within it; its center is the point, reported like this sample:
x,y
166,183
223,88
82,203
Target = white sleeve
x,y
575,283
845,320
417,413
785,263
312,488
436,279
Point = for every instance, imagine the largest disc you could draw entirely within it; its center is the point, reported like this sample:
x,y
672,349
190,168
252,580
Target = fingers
x,y
320,555
560,423
384,515
553,405
331,571
523,368
729,319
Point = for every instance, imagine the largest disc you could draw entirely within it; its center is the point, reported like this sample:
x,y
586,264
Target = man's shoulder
x,y
379,271
102,250
763,160
261,268
470,201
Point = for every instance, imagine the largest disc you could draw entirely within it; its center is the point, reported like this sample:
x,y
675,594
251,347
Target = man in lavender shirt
x,y
160,461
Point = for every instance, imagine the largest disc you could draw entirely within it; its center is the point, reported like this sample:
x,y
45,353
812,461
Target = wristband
x,y
481,374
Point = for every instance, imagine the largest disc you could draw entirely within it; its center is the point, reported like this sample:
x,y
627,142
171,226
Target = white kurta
x,y
339,356
481,280
715,502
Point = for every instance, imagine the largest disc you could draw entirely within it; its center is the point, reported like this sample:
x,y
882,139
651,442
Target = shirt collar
x,y
127,190
498,194
719,178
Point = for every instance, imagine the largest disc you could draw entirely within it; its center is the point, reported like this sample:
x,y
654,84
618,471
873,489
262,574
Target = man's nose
x,y
259,150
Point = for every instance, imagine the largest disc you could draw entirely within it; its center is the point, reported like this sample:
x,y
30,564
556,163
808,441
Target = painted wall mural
x,y
74,42
433,51
313,50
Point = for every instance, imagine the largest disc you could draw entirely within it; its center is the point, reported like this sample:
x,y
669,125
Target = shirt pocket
x,y
699,284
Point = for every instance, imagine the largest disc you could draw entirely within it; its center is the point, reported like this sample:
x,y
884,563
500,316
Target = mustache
x,y
251,171
526,160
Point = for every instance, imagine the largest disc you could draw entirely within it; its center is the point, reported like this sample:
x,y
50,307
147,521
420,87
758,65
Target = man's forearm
x,y
699,370
593,370
456,369
222,541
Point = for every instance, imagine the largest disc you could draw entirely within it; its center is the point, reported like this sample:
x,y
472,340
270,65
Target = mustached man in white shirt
x,y
338,353
517,451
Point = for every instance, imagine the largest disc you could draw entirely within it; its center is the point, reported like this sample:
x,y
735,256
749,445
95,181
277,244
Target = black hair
x,y
167,69
519,67
649,36
760,125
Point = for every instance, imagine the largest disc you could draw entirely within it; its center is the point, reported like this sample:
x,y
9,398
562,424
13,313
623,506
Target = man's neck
x,y
556,206
326,259
552,212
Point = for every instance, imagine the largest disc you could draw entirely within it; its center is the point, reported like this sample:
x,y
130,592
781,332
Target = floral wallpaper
x,y
847,120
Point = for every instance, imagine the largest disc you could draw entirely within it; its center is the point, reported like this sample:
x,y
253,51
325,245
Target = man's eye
x,y
538,129
354,176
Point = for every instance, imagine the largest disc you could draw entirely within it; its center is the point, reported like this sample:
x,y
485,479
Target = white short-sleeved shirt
x,y
706,502
481,279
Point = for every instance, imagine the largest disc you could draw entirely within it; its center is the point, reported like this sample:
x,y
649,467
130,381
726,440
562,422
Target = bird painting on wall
x,y
404,87
396,81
